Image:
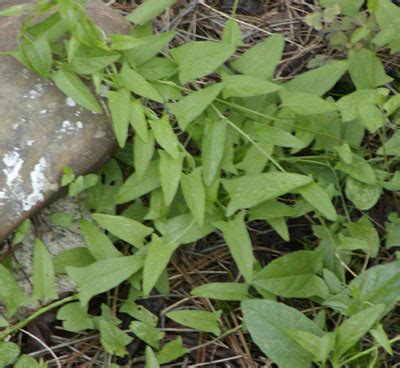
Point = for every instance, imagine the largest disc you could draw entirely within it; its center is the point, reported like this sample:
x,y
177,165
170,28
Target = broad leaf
x,y
318,81
200,58
120,106
251,190
268,322
319,199
99,244
261,59
143,152
44,286
138,120
366,69
148,10
170,175
354,328
194,104
39,54
195,194
294,276
247,86
222,291
199,320
124,228
158,256
171,351
149,334
237,237
213,148
232,33
113,339
305,103
75,317
135,83
364,196
103,275
165,136
73,87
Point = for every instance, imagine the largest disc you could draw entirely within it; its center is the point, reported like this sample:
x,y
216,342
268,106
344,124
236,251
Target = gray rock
x,y
42,131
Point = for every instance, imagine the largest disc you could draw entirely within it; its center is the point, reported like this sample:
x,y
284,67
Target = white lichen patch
x,y
30,142
13,163
2,196
39,185
43,112
70,102
67,127
79,125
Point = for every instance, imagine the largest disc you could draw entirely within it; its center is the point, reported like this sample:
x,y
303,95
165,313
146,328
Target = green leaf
x,y
232,33
247,86
364,230
294,276
140,313
170,175
165,135
75,317
149,10
305,104
138,120
268,322
157,258
131,231
44,286
213,148
387,16
39,54
88,60
75,257
200,58
251,190
146,49
136,186
381,338
149,334
366,69
349,8
103,275
392,146
199,320
195,194
113,339
158,68
363,196
26,361
151,360
271,209
73,87
194,104
318,81
8,353
359,169
11,295
119,103
354,328
319,347
275,136
319,199
99,244
135,83
378,285
143,153
231,291
262,59
238,240
13,10
82,183
171,351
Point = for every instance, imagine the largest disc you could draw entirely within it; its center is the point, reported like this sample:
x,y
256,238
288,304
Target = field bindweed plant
x,y
210,141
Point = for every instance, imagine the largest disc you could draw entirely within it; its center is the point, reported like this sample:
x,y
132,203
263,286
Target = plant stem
x,y
12,329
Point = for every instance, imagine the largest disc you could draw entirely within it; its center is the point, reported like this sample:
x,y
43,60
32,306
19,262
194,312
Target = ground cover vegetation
x,y
215,148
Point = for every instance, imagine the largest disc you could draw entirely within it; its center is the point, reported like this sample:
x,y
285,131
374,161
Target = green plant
x,y
210,142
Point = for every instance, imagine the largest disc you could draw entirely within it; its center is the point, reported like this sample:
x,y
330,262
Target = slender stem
x,y
234,8
248,138
370,350
12,329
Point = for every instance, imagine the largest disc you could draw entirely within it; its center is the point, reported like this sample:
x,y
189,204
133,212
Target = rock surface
x,y
42,131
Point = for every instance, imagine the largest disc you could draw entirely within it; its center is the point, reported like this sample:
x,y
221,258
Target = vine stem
x,y
12,329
